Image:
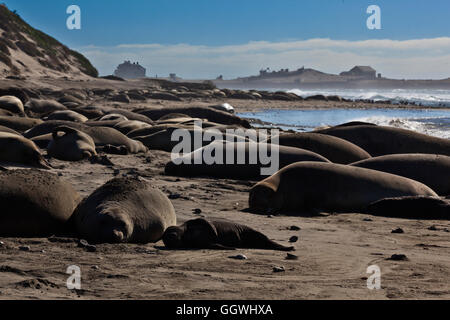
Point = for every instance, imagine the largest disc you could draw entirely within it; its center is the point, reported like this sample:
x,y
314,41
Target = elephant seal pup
x,y
334,149
66,115
186,166
16,149
381,140
72,145
124,210
411,208
12,104
432,170
214,234
311,186
35,203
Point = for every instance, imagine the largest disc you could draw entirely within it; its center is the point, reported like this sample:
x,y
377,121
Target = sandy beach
x,y
334,250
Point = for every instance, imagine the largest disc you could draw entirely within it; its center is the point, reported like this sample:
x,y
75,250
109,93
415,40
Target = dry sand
x,y
333,251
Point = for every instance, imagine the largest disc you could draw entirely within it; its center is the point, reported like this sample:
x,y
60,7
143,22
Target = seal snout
x,y
172,238
118,236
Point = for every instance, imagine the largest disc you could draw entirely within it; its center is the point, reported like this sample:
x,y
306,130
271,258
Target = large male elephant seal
x,y
12,104
214,234
16,149
72,145
334,149
35,203
311,186
380,140
432,170
230,165
411,208
124,210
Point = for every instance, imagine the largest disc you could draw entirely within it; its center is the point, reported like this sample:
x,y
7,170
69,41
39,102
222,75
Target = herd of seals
x,y
354,167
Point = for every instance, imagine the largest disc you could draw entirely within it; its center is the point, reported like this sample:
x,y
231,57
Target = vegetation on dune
x,y
13,26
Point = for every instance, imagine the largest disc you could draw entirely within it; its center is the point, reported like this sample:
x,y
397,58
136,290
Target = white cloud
x,y
418,58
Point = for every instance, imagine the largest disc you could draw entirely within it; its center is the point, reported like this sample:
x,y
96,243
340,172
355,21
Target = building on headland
x,y
360,72
128,70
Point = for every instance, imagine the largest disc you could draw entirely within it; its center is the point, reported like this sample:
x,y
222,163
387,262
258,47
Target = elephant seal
x,y
186,166
211,114
411,208
35,204
102,136
312,186
334,149
6,129
214,234
381,140
127,126
37,106
67,115
113,116
16,149
19,123
73,145
12,104
432,170
162,140
124,210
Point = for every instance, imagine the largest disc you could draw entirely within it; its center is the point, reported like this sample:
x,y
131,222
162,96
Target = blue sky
x,y
191,32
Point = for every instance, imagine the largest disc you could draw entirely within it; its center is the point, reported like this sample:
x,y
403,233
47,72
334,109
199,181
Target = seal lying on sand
x,y
196,112
102,136
334,149
124,210
16,149
162,140
213,234
67,115
311,186
432,170
186,166
411,208
34,203
12,104
19,123
380,140
37,106
73,145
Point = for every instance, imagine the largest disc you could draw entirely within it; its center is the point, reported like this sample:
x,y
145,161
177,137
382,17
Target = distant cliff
x,y
27,51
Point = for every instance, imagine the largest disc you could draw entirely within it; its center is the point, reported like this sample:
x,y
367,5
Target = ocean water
x,y
426,97
432,121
